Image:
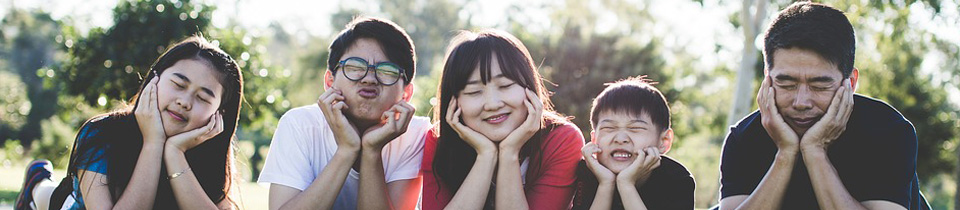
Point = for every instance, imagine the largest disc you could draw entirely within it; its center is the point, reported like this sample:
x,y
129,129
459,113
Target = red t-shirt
x,y
553,189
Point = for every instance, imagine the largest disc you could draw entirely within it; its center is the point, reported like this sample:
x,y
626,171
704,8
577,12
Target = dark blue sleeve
x,y
90,158
732,161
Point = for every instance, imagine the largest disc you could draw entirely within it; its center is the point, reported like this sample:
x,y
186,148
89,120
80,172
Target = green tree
x,y
31,52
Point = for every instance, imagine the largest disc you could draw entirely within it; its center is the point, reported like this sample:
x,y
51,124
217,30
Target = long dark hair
x,y
454,157
121,140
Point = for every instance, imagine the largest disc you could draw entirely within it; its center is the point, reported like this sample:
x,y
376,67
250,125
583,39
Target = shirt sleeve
x,y
733,167
889,166
408,154
90,158
555,187
287,161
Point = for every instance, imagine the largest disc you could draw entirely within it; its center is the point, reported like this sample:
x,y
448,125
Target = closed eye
x,y
507,85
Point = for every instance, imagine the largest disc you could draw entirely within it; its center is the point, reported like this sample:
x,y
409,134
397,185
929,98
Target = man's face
x,y
621,135
804,84
366,98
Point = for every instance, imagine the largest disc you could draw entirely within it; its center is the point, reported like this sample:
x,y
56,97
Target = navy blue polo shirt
x,y
875,157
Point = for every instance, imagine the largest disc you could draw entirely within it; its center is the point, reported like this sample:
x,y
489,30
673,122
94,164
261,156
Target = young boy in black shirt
x,y
625,159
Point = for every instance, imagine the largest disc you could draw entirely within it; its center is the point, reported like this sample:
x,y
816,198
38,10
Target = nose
x,y
370,77
803,99
621,138
492,102
185,101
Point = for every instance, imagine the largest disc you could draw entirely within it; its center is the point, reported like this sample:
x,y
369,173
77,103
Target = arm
x,y
509,183
186,188
769,192
323,191
603,199
473,192
139,193
636,174
373,192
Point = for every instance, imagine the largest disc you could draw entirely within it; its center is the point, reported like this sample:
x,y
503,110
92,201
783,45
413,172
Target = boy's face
x,y
621,136
366,98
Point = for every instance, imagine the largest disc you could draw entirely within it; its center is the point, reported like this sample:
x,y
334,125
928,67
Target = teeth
x,y
622,154
496,117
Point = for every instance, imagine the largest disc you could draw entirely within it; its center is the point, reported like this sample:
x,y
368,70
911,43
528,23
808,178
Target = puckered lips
x,y
176,116
368,92
497,118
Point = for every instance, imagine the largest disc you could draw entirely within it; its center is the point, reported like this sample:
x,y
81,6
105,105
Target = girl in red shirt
x,y
497,143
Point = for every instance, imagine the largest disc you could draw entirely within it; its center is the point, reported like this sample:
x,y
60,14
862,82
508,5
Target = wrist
x,y
625,182
347,152
813,152
813,147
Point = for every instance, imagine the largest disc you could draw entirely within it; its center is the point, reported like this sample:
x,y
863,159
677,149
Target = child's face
x,y
188,93
621,135
494,109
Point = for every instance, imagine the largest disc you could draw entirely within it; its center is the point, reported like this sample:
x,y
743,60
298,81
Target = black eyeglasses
x,y
355,68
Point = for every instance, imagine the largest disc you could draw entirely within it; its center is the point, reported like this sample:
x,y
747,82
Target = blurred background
x,y
63,61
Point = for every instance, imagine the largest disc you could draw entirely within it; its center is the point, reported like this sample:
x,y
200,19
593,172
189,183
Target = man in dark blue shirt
x,y
814,144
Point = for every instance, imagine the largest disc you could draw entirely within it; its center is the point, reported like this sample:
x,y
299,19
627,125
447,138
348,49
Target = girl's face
x,y
188,93
494,109
621,135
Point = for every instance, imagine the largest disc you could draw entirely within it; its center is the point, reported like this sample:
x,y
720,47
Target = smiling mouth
x,y
805,122
496,119
176,116
621,155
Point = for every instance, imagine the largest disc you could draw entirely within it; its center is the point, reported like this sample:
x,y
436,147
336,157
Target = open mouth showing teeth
x,y
622,155
496,118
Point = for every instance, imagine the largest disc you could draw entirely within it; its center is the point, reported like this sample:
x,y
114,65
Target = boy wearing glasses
x,y
360,146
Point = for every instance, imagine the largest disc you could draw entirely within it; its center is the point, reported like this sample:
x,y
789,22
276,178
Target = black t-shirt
x,y
875,157
670,186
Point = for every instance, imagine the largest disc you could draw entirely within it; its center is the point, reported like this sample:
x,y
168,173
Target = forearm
x,y
373,192
186,188
827,185
473,192
141,191
324,189
630,196
604,197
769,193
509,182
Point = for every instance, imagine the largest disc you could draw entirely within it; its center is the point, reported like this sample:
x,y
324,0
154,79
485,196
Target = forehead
x,y
199,73
801,63
494,71
368,49
611,116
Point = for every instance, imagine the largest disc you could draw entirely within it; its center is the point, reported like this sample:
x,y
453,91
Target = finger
x,y
451,108
835,103
535,100
406,114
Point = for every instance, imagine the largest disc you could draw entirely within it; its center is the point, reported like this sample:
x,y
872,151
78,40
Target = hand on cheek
x,y
513,142
332,104
637,172
590,152
395,122
833,123
190,139
478,141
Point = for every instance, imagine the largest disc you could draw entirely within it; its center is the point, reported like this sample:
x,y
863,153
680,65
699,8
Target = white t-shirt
x,y
303,145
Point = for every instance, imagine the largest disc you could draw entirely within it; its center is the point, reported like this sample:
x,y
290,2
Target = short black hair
x,y
395,42
816,27
634,95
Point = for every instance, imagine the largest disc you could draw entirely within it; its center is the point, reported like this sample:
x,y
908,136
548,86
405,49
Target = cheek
x,y
470,108
823,99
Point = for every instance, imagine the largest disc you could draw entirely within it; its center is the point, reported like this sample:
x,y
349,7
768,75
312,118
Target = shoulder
x,y
304,116
566,131
672,167
869,110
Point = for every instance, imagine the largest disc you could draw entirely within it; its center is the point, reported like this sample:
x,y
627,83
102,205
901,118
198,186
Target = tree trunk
x,y
744,94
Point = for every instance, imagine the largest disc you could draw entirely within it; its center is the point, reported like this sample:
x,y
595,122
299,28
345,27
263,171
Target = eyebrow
x,y
205,89
822,79
631,121
472,82
785,77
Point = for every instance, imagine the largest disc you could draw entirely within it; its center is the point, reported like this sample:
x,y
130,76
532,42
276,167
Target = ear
x,y
854,77
328,79
666,141
593,136
407,92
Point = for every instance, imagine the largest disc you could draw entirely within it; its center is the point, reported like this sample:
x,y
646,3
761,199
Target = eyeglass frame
x,y
403,74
